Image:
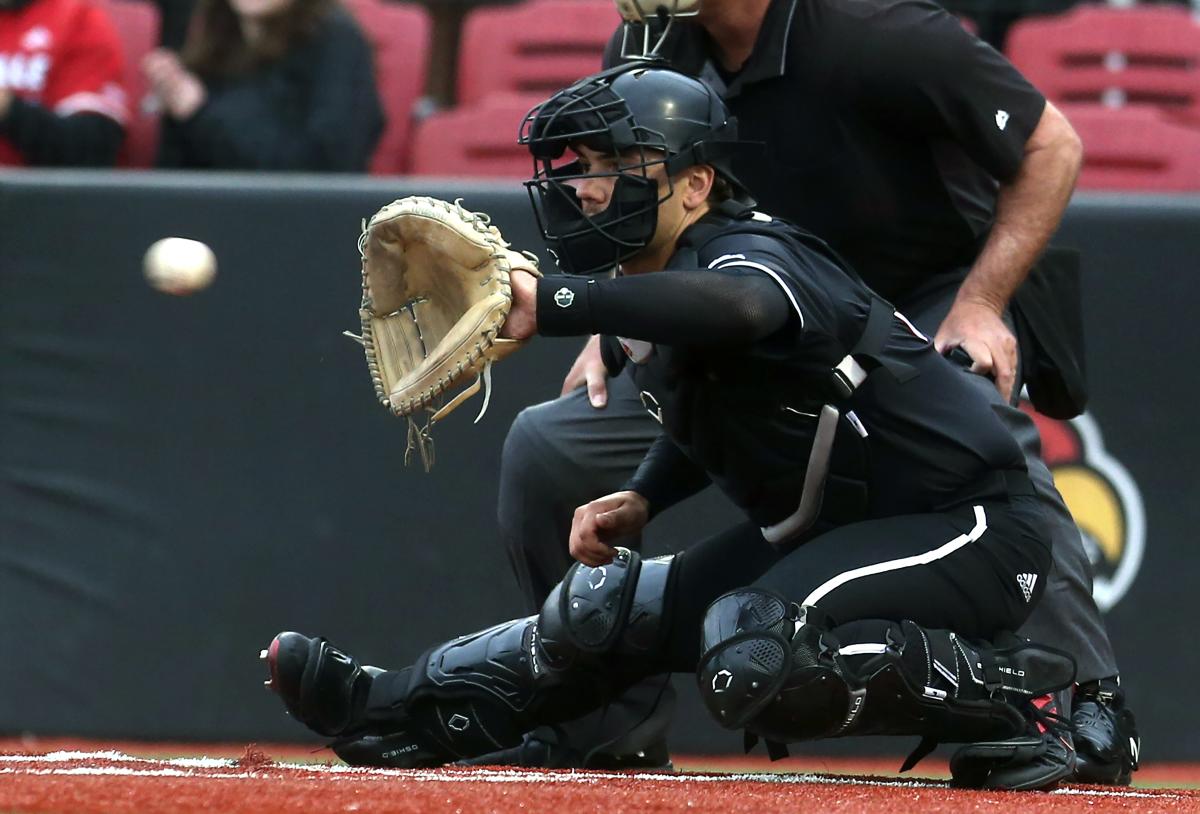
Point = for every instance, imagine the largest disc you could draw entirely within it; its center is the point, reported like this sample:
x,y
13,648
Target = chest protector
x,y
774,429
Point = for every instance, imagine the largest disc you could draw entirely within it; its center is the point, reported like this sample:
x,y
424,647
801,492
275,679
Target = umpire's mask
x,y
645,115
648,24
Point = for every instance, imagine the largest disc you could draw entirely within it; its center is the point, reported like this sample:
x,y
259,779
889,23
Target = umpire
x,y
927,161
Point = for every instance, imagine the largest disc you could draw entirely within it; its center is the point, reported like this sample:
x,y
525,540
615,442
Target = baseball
x,y
176,265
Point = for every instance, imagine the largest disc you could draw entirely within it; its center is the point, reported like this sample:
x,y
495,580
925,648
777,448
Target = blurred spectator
x,y
174,16
268,84
61,99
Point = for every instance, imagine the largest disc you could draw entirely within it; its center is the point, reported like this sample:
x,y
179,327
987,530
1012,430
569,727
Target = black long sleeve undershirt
x,y
46,139
666,476
701,308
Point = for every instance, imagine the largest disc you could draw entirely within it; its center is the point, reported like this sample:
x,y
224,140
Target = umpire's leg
x,y
1067,616
559,455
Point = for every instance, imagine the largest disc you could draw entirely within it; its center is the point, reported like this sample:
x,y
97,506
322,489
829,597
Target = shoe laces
x,y
1092,711
1049,721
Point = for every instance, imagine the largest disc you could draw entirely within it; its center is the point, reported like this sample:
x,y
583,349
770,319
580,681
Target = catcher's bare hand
x,y
979,330
522,317
608,518
589,370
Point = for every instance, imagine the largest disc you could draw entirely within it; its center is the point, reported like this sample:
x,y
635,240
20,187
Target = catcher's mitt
x,y
436,292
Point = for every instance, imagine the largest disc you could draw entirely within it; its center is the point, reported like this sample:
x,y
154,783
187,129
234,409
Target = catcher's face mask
x,y
590,119
639,116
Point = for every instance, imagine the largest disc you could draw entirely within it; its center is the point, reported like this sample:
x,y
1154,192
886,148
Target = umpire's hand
x,y
980,331
609,518
589,369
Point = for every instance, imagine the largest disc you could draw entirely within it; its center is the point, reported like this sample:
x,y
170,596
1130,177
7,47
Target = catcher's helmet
x,y
646,114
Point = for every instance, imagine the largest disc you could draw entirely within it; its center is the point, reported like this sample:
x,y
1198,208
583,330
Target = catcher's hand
x,y
436,292
522,316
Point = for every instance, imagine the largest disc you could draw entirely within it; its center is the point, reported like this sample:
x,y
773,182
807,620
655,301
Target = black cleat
x,y
402,748
1106,734
541,749
1036,761
654,757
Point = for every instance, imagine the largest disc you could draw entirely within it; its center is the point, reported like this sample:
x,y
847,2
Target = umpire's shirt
x,y
886,125
733,346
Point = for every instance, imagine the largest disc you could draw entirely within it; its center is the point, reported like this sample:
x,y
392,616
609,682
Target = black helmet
x,y
648,114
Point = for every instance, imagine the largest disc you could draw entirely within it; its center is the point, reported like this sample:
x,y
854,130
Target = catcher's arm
x,y
696,308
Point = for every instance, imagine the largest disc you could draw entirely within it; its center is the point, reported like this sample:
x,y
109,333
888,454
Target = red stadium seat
x,y
400,37
1115,56
1135,148
537,46
137,26
476,140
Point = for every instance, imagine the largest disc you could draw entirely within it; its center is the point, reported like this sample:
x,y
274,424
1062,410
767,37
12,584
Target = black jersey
x,y
743,408
886,127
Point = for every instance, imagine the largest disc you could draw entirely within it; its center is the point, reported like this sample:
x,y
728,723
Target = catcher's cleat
x,y
542,750
402,747
322,687
1037,761
1106,735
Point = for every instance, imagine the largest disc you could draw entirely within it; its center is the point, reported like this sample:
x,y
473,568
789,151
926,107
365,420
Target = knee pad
x,y
768,666
618,608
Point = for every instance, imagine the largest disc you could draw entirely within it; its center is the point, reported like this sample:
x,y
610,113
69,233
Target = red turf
x,y
114,784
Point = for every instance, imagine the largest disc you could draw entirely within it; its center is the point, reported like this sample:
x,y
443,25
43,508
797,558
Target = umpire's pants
x,y
564,453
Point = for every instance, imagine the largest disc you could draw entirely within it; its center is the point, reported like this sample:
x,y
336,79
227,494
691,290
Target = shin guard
x,y
598,632
776,670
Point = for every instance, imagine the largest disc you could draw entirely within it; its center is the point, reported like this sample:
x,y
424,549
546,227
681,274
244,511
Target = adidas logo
x,y
1027,581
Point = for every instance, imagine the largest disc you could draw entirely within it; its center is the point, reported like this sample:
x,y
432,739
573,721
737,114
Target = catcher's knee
x,y
616,608
767,666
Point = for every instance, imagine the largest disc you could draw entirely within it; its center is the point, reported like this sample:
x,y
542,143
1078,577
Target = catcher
x,y
892,537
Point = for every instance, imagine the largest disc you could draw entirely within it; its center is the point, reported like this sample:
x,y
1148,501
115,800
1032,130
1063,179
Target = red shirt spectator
x,y
61,98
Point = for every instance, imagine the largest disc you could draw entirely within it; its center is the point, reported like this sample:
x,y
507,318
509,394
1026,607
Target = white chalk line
x,y
188,767
65,757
